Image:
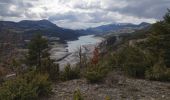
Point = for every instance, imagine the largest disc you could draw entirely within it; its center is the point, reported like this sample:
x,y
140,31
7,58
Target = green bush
x,y
119,57
17,89
29,87
158,72
135,62
95,74
109,61
70,73
51,68
42,85
77,95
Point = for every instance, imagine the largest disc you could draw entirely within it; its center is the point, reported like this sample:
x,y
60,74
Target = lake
x,y
83,40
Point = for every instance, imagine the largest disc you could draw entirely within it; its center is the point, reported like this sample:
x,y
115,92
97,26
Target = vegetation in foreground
x,y
29,86
33,80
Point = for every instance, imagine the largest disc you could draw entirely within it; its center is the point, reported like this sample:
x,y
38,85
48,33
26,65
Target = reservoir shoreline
x,y
64,54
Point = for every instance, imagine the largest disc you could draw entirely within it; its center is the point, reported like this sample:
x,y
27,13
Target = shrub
x,y
41,84
93,76
51,68
77,95
135,70
113,61
70,73
119,57
95,73
158,72
109,61
17,89
29,87
135,62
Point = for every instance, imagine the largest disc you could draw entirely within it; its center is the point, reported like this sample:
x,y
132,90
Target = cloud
x,y
146,8
84,13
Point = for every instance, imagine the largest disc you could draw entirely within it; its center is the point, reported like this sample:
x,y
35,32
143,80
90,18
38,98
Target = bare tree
x,y
82,56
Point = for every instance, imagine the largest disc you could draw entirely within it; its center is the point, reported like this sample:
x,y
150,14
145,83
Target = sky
x,y
81,14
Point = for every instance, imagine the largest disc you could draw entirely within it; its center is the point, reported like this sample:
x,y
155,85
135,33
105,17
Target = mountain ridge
x,y
47,28
115,27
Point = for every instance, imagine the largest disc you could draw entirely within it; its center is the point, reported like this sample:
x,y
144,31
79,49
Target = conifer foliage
x,y
37,50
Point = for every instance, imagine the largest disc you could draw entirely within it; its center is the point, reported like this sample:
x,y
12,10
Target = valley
x,y
119,61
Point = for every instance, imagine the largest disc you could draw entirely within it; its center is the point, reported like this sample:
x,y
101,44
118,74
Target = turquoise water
x,y
83,40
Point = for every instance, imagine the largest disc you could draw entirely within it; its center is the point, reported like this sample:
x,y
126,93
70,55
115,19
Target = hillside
x,y
117,84
84,49
28,28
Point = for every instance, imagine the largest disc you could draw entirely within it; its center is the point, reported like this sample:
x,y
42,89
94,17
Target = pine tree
x,y
159,39
37,49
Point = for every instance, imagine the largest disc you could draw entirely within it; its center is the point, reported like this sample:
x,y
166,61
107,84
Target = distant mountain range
x,y
28,28
121,27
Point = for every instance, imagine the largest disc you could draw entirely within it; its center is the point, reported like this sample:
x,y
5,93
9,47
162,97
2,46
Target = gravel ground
x,y
116,87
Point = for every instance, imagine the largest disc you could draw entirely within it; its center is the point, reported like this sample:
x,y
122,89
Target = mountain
x,y
29,28
120,27
37,24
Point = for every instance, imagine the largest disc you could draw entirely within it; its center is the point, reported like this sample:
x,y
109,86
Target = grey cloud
x,y
94,17
5,1
77,20
85,12
100,16
5,11
20,8
145,8
66,16
45,8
